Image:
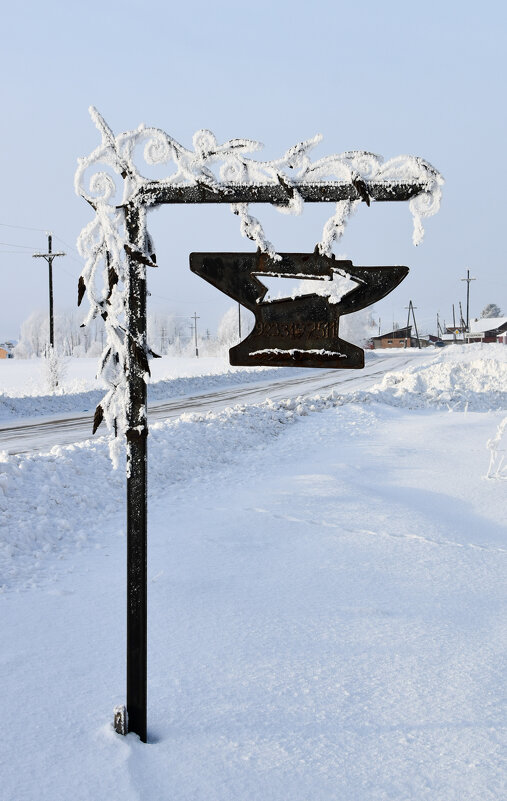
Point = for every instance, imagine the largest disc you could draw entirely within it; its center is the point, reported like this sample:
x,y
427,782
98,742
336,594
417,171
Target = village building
x,y
488,329
400,338
430,339
454,337
6,350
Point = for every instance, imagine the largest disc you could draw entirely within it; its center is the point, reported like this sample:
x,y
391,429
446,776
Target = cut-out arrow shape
x,y
300,331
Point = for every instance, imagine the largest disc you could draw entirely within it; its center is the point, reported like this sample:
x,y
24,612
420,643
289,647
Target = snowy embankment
x,y
53,502
22,383
459,378
326,593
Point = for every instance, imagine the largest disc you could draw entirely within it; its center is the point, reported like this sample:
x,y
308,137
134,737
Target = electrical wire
x,y
25,228
72,247
173,300
13,245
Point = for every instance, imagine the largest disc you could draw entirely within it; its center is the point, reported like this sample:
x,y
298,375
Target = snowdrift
x,y
462,377
60,500
24,398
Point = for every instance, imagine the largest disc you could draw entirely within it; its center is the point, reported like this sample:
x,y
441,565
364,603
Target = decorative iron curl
x,y
214,167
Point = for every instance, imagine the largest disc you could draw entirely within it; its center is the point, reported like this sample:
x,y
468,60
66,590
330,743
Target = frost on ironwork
x,y
110,178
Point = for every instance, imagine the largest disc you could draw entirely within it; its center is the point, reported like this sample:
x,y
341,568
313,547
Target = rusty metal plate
x,y
300,331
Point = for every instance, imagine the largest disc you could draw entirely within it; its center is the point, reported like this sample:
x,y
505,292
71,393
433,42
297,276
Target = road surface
x,y
44,433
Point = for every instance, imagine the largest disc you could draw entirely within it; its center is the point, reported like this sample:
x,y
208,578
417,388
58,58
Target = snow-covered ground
x,y
24,393
327,601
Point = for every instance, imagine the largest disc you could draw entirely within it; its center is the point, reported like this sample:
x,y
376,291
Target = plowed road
x,y
43,433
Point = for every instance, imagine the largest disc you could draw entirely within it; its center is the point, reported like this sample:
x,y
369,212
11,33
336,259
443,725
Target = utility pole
x,y
468,279
411,308
462,323
415,325
239,322
440,330
408,323
49,256
195,318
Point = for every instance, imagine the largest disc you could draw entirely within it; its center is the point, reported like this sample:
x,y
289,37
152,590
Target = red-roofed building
x,y
488,329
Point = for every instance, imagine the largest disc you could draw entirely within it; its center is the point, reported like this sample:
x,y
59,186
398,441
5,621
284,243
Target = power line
x,y
171,300
31,247
13,245
24,228
72,247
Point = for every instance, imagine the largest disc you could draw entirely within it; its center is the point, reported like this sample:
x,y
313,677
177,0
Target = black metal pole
x,y
195,318
50,264
137,482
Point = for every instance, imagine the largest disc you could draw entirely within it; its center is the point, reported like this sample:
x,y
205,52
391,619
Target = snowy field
x,y
24,392
326,593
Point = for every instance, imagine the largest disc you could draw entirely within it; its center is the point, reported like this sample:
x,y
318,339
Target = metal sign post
x,y
137,484
304,331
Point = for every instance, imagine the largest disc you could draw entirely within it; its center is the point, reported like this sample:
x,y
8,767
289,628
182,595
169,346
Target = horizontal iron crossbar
x,y
157,193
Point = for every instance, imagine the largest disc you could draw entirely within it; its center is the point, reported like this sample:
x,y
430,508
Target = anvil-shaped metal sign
x,y
295,331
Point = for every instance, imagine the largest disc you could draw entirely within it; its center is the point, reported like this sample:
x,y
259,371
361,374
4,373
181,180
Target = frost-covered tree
x,y
70,338
491,310
54,368
164,331
228,327
357,327
34,336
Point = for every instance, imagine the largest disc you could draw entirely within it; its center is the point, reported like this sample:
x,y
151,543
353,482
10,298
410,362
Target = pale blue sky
x,y
393,78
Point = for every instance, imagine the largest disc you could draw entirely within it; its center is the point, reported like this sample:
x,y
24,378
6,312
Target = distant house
x,y
488,329
455,337
395,339
6,350
429,339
